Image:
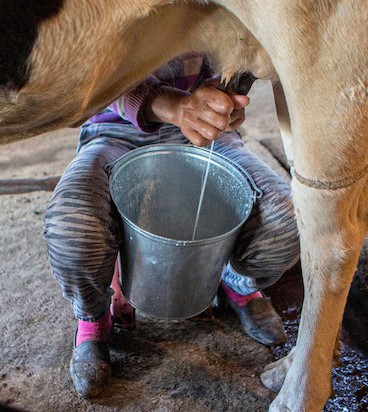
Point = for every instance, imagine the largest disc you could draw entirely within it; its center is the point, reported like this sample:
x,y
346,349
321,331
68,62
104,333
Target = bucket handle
x,y
257,192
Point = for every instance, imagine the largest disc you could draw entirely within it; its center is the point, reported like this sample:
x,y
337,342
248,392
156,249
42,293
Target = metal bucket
x,y
156,190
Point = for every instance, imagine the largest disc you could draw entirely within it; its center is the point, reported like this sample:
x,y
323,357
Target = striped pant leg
x,y
82,230
268,243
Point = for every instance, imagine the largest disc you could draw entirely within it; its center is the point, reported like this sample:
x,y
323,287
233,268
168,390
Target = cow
x,y
64,60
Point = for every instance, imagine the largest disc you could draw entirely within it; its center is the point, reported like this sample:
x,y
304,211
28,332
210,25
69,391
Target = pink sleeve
x,y
130,106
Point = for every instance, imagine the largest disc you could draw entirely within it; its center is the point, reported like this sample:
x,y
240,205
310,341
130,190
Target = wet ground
x,y
350,378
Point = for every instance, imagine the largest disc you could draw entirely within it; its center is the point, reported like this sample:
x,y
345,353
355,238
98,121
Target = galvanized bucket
x,y
156,190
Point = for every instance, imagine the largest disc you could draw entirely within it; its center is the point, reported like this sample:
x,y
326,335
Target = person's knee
x,y
286,222
287,239
72,220
269,241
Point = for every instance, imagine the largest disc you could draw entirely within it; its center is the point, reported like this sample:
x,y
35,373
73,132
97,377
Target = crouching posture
x,y
82,229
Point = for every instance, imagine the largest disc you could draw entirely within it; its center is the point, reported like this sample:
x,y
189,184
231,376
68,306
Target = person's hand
x,y
203,115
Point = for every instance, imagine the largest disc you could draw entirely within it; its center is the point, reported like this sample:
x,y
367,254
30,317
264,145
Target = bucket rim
x,y
190,148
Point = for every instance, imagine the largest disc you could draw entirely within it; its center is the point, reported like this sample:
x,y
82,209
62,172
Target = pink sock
x,y
240,300
97,331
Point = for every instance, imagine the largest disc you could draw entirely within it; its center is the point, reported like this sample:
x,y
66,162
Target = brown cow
x,y
66,59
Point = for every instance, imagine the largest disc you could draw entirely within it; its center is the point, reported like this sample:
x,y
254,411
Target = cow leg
x,y
275,373
283,119
321,65
332,226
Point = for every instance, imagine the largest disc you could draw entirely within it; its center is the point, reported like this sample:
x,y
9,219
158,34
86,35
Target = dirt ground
x,y
160,366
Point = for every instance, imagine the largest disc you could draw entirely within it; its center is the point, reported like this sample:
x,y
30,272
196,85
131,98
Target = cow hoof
x,y
279,406
279,409
275,373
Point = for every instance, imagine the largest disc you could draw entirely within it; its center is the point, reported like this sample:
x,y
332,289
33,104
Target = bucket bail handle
x,y
257,192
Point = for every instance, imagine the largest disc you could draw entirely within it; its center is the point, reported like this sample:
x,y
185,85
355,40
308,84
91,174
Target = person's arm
x,y
202,115
130,105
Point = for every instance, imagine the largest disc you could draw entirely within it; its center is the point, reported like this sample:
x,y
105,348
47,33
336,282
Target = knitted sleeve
x,y
130,105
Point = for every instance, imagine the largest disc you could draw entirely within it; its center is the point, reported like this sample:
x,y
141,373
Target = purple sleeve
x,y
130,106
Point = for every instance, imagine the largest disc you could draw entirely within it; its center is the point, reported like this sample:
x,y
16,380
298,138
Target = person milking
x,y
83,230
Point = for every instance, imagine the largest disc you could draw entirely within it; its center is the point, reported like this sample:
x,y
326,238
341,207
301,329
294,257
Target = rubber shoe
x,y
90,368
260,321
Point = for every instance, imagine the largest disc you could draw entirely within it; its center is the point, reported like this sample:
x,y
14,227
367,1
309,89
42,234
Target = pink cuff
x,y
240,300
97,331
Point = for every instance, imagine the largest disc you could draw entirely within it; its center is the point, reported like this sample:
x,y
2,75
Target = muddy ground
x,y
160,366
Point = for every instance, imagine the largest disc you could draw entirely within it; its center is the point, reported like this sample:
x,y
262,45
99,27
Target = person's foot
x,y
90,367
258,317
